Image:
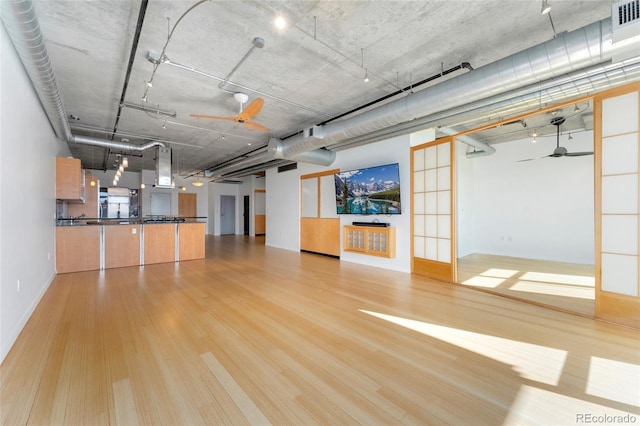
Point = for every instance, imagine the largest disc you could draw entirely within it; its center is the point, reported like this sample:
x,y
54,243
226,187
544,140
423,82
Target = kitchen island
x,y
84,244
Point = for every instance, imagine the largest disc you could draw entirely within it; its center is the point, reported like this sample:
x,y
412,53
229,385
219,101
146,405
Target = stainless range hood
x,y
163,168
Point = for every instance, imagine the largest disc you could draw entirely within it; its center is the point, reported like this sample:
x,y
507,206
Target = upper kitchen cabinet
x,y
69,179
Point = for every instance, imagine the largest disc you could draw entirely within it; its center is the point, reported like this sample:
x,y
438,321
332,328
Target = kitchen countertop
x,y
88,221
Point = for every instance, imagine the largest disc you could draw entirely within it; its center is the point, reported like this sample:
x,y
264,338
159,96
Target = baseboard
x,y
7,343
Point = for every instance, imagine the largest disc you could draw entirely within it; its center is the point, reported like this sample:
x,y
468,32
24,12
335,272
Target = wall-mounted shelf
x,y
374,241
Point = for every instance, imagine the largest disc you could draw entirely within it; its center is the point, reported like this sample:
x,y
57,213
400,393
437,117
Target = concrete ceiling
x,y
307,73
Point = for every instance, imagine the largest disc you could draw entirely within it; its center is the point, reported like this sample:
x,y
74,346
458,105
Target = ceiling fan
x,y
560,151
245,116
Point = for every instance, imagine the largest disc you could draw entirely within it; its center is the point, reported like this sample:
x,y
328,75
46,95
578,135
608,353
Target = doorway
x,y
525,218
227,215
245,215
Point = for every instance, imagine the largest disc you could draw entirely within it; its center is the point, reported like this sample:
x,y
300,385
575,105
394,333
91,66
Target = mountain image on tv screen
x,y
374,190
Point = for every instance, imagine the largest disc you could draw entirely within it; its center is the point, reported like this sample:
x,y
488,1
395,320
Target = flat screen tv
x,y
374,190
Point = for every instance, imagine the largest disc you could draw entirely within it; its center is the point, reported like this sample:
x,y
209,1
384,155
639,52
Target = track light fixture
x,y
150,83
534,137
546,7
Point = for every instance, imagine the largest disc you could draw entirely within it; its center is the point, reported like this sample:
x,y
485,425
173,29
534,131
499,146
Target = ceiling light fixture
x,y
546,7
198,183
535,135
150,83
366,70
280,23
164,125
143,186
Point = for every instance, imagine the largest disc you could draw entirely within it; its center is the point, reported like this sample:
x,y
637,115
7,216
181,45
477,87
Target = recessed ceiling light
x,y
280,22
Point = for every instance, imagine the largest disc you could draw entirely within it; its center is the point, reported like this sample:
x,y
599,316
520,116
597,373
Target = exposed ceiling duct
x,y
20,20
569,52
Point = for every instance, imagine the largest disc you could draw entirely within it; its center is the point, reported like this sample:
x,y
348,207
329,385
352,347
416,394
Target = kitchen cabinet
x,y
159,243
91,206
77,248
121,246
190,241
69,179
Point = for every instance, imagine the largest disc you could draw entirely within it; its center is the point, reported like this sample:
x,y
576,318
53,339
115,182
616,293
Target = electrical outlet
x,y
18,287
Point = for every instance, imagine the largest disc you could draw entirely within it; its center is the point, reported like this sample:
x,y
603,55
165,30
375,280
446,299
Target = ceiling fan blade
x,y
215,117
255,126
537,158
577,154
251,110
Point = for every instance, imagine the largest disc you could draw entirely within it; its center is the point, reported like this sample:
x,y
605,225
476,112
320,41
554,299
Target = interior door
x,y
187,205
227,215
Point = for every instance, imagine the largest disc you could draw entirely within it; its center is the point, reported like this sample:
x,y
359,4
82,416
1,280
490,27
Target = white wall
x,y
283,201
27,197
542,209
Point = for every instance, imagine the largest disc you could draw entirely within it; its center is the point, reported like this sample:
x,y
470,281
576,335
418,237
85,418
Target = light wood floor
x,y
566,286
258,335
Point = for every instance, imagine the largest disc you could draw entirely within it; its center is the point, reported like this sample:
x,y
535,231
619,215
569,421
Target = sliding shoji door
x,y
319,222
617,183
432,210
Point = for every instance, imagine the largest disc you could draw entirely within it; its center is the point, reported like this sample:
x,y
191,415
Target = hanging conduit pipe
x,y
584,47
20,20
481,147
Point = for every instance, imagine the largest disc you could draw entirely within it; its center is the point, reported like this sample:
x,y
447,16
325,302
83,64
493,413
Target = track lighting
x,y
535,135
150,83
546,7
144,98
125,162
164,126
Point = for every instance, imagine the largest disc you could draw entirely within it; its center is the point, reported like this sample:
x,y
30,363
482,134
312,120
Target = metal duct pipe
x,y
583,82
483,148
20,20
86,140
587,46
240,164
321,156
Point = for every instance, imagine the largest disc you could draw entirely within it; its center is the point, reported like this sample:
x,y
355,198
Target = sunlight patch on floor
x,y
614,380
533,406
491,278
578,280
533,362
554,289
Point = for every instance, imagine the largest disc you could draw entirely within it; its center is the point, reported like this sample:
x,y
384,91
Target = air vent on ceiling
x,y
287,167
625,19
